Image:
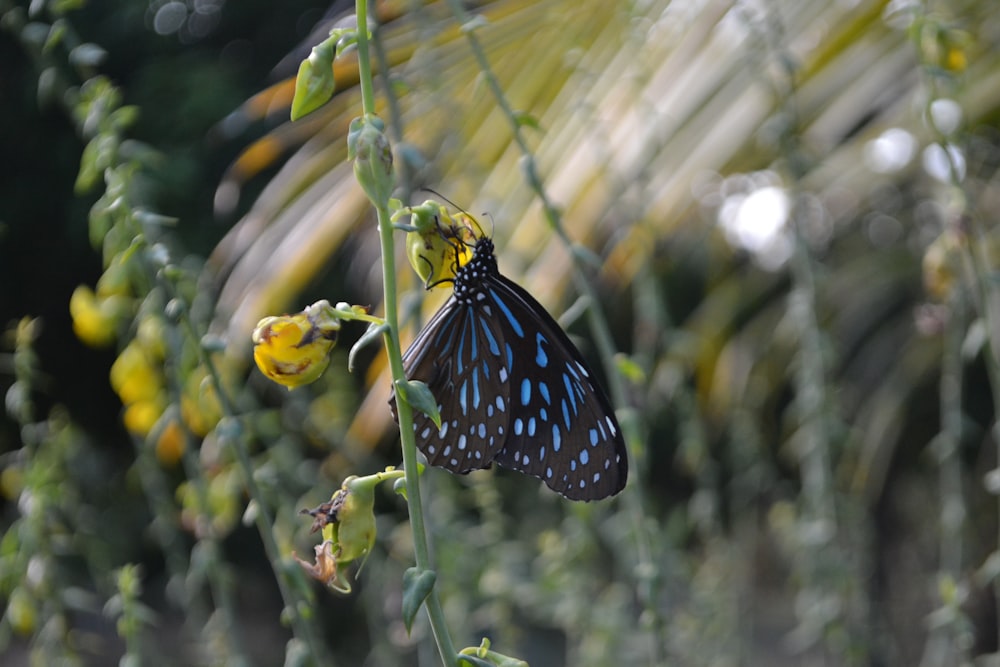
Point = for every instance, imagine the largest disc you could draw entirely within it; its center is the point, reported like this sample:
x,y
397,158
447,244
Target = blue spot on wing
x,y
570,394
505,309
490,338
541,358
475,388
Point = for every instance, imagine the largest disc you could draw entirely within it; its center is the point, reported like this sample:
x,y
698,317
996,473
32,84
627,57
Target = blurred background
x,y
781,213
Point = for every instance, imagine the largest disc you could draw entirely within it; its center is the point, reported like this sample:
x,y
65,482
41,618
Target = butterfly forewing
x,y
512,387
460,361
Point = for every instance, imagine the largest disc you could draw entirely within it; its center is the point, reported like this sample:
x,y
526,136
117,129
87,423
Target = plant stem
x,y
364,60
233,435
392,347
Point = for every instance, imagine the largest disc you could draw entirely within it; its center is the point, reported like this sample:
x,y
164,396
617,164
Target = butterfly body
x,y
512,388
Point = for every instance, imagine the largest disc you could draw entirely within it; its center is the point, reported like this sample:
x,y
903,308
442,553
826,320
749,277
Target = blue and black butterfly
x,y
512,388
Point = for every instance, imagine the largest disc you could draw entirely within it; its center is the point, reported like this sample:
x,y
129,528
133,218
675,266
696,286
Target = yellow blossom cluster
x,y
137,374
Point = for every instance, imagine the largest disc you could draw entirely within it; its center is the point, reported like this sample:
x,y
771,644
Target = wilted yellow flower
x,y
440,243
347,522
294,350
95,320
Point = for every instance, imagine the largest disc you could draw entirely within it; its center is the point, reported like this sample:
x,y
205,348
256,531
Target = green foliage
x,y
417,586
810,404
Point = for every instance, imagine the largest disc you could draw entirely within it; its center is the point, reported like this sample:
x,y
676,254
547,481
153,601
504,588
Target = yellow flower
x,y
134,377
200,408
955,60
171,444
294,350
95,319
139,417
440,242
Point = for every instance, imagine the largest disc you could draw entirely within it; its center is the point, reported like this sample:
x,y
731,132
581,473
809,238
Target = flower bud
x,y
348,524
315,83
368,146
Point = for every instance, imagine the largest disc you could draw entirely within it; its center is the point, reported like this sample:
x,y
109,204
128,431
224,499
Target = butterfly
x,y
512,388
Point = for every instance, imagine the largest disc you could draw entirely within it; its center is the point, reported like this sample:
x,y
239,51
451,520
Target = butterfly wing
x,y
562,427
459,355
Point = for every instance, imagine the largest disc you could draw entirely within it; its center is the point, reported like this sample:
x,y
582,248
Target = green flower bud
x,y
347,521
368,146
315,83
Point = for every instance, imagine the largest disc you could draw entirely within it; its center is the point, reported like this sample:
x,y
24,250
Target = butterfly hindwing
x,y
562,427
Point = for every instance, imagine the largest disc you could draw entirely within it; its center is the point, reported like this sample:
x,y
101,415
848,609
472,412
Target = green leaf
x,y
124,117
417,586
97,156
419,396
501,660
525,119
630,369
55,37
372,335
475,23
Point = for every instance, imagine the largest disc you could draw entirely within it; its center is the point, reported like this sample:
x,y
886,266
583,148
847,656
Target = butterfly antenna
x,y
478,232
493,224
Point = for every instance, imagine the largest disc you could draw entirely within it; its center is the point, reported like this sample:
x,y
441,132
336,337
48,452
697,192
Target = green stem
x,y
392,346
364,60
405,414
232,435
598,324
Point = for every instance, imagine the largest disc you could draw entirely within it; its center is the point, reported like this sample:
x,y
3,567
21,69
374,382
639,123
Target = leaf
x,y
372,335
630,369
526,119
87,55
419,396
417,586
506,661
